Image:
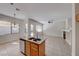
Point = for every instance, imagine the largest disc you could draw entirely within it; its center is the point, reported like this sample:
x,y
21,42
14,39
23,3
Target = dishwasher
x,y
22,45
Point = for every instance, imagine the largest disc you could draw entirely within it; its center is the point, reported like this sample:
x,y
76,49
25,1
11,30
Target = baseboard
x,y
7,42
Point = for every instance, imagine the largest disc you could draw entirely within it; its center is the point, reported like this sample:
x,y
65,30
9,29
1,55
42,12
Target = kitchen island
x,y
33,48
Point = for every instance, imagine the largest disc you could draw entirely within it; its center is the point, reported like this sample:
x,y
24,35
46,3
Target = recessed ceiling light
x,y
50,21
11,3
17,9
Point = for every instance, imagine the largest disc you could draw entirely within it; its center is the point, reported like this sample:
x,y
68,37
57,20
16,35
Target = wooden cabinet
x,y
27,48
33,49
42,49
77,17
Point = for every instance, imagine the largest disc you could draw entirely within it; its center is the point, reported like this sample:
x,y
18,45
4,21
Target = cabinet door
x,y
42,49
77,17
34,49
27,48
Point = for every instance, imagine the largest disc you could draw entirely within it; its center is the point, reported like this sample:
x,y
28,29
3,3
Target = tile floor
x,y
54,47
10,49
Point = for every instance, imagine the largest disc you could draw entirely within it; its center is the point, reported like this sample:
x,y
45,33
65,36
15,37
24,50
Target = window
x,y
39,31
32,35
15,28
5,27
32,27
39,28
26,28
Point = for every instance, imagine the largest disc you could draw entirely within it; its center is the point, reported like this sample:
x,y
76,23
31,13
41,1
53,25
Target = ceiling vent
x,y
50,21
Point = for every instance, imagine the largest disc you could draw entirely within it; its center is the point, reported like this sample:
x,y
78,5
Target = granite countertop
x,y
37,42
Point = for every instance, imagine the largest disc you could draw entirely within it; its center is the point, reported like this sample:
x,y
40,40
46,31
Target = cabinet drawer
x,y
27,49
42,49
35,49
27,45
34,52
34,45
27,53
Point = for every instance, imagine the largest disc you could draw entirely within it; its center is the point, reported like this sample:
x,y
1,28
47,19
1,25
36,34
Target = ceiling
x,y
41,12
38,11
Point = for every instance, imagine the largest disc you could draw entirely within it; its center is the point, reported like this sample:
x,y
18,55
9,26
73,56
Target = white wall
x,y
55,29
